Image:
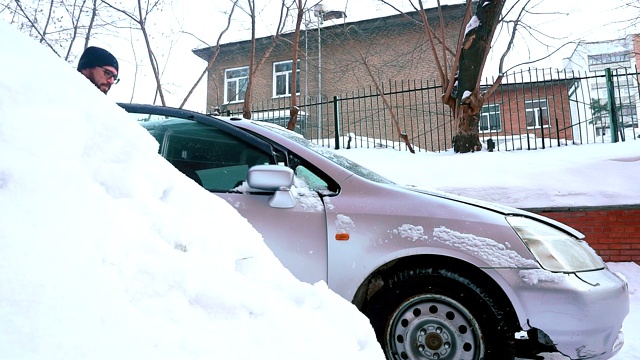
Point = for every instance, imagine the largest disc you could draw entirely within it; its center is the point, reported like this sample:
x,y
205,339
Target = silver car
x,y
439,276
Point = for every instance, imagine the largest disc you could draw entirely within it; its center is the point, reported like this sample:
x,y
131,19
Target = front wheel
x,y
433,314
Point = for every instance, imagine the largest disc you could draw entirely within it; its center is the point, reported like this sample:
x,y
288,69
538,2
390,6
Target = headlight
x,y
554,249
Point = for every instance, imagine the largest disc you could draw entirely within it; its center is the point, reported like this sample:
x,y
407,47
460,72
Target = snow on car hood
x,y
501,209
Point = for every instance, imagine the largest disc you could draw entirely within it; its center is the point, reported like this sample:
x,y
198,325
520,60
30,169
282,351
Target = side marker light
x,y
342,237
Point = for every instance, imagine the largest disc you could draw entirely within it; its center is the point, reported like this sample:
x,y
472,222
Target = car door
x,y
219,162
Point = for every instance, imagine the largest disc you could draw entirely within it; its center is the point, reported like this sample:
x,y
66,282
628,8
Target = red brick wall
x,y
614,232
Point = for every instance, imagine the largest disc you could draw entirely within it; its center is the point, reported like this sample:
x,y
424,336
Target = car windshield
x,y
328,154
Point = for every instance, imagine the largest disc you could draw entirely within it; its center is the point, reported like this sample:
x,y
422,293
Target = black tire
x,y
437,314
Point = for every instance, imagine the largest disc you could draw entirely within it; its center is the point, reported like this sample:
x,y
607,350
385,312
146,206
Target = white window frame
x,y
485,113
536,113
236,81
287,74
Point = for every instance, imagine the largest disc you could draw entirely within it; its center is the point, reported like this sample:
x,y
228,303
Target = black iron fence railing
x,y
532,109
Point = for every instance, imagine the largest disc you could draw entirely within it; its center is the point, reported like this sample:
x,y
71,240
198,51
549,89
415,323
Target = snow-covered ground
x,y
575,175
106,251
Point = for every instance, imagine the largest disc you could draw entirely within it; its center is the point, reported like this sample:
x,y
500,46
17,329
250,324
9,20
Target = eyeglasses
x,y
110,75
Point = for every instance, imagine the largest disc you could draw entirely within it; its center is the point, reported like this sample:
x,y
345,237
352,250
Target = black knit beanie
x,y
94,56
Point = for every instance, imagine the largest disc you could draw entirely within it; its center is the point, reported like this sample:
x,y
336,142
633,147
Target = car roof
x,y
227,124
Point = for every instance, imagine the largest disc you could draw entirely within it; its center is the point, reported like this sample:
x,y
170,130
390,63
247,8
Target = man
x,y
100,67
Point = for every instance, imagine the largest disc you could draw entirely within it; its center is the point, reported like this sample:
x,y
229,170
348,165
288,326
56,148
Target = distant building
x,y
335,94
590,96
331,59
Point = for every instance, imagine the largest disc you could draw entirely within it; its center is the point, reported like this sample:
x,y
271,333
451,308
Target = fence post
x,y
336,121
558,132
611,100
542,127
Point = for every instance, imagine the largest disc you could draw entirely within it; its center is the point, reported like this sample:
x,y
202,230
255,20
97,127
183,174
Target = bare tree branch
x,y
48,20
429,32
94,11
284,14
444,47
501,72
34,27
213,57
75,21
293,114
253,66
385,101
246,107
140,20
421,24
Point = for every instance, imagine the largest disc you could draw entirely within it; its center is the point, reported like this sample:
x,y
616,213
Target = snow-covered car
x,y
439,276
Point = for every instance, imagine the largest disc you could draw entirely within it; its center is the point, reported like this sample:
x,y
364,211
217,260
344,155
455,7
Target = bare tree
x,y
634,12
293,115
213,57
94,13
471,58
139,16
462,85
461,79
402,134
253,66
54,23
246,110
64,25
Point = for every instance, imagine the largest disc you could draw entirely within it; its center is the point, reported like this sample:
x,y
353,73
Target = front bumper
x,y
581,313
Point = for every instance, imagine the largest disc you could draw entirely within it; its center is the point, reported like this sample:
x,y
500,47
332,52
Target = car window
x,y
313,178
219,162
328,154
211,157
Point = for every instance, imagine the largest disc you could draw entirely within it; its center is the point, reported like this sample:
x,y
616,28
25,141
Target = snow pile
x,y
574,175
108,252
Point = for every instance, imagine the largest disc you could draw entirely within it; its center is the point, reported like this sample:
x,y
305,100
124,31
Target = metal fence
x,y
531,109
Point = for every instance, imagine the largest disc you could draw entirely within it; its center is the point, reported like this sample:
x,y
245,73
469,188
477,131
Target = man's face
x,y
102,77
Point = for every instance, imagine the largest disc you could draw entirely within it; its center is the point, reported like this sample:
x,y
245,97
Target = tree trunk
x,y
467,138
475,48
293,113
246,106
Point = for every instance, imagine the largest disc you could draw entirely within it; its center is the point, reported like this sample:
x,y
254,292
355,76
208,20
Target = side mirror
x,y
276,178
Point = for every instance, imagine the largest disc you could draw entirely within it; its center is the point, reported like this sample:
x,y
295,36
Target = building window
x,y
617,57
236,81
536,113
618,60
490,118
282,78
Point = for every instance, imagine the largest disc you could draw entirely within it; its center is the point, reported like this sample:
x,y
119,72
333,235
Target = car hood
x,y
501,209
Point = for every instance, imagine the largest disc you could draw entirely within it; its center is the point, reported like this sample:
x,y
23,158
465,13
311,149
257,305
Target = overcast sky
x,y
197,23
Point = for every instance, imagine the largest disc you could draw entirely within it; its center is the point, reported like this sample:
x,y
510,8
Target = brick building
x,y
532,108
331,59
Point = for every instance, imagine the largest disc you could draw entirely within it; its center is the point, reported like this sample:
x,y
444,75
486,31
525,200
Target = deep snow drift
x,y
108,252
